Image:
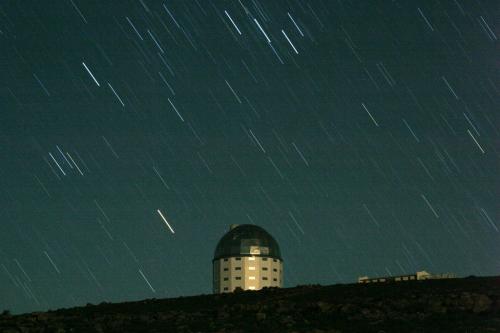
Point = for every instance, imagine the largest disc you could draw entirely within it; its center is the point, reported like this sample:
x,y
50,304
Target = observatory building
x,y
248,257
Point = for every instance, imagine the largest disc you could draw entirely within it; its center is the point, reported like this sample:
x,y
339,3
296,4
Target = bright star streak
x,y
296,26
234,24
289,41
147,281
262,30
116,95
477,143
172,104
373,119
64,173
72,160
165,220
92,75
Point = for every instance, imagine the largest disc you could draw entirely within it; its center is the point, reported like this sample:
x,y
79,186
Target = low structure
x,y
422,275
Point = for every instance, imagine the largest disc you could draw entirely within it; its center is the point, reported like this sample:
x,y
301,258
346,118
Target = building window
x,y
226,288
251,268
251,277
237,268
275,270
264,259
412,278
225,259
264,268
264,278
275,260
251,258
237,258
226,269
226,279
238,278
275,279
251,287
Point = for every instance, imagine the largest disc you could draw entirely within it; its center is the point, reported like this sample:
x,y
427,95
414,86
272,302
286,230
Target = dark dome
x,y
247,240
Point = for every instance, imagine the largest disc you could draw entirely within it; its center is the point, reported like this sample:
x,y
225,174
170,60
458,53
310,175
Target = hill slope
x,y
456,305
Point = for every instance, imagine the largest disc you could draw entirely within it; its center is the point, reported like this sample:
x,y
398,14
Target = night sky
x,y
363,137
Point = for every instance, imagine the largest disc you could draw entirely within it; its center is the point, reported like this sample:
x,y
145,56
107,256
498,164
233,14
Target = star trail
x,y
363,135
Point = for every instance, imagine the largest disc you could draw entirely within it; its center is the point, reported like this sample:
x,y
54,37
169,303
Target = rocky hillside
x,y
457,305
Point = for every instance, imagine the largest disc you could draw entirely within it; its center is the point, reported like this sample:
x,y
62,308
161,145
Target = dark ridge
x,y
451,305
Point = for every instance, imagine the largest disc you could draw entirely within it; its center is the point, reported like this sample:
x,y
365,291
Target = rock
x,y
401,303
373,314
287,321
466,301
283,307
482,303
324,307
223,314
348,308
436,306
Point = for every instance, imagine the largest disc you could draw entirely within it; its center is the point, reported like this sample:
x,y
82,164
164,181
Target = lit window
x,y
237,268
251,277
251,288
264,278
251,268
264,268
251,258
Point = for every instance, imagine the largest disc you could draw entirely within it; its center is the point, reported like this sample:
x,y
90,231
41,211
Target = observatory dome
x,y
247,240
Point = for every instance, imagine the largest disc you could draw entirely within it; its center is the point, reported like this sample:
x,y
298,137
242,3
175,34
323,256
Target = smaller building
x,y
422,275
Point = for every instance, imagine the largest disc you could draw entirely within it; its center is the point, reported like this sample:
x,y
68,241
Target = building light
x,y
251,268
251,287
251,258
251,277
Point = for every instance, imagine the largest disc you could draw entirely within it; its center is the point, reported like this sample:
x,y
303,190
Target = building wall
x,y
249,273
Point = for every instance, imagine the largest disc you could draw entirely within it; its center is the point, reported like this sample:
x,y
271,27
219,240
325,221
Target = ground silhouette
x,y
454,305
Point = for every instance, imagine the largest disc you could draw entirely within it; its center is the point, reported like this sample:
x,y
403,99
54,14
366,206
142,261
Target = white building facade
x,y
421,275
247,257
